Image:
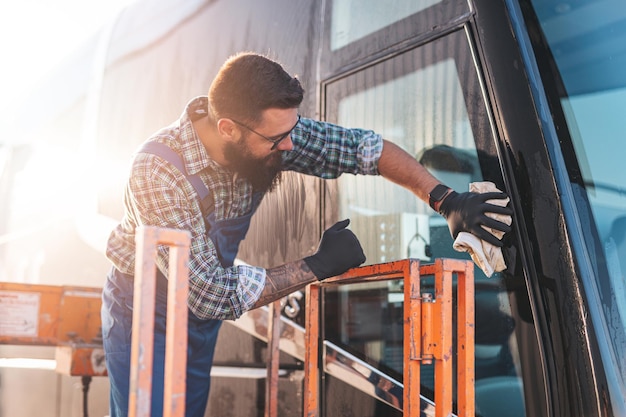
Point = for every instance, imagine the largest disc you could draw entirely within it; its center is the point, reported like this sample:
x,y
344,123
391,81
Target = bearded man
x,y
207,173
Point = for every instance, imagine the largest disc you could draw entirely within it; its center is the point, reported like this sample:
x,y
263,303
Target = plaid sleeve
x,y
327,150
161,196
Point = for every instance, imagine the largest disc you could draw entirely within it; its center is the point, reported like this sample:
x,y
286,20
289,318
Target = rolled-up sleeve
x,y
327,150
224,293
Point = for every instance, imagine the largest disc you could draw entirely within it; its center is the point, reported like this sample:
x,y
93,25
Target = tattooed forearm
x,y
283,280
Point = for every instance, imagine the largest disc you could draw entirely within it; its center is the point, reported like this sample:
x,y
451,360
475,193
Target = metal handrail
x,y
142,348
427,330
427,322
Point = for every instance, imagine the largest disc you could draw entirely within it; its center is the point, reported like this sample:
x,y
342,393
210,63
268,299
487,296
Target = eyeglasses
x,y
274,139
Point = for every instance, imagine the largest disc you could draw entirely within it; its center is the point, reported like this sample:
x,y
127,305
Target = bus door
x,y
427,99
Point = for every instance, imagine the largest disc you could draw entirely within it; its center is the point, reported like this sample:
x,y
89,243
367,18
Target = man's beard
x,y
264,174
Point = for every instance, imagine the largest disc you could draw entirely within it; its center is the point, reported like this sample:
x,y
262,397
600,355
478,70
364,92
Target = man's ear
x,y
227,129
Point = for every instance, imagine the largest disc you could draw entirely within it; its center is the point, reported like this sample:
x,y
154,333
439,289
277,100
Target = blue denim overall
x,y
117,306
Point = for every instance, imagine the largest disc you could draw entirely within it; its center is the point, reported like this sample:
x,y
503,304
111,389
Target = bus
x,y
526,94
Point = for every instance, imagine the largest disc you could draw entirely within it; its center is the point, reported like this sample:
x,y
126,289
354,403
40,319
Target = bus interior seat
x,y
500,396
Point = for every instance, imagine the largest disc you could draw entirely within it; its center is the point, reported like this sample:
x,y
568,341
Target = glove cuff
x,y
316,267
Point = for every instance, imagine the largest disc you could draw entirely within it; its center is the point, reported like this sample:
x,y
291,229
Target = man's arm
x,y
464,212
399,167
283,280
338,251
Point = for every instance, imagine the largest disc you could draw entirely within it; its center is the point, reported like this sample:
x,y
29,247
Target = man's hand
x,y
338,251
466,212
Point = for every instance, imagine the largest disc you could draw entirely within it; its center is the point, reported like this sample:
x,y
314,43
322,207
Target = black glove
x,y
338,251
465,212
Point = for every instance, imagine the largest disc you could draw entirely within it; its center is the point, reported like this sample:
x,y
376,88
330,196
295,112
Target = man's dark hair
x,y
249,83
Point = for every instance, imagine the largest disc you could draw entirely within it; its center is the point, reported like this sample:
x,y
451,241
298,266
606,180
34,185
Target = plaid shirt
x,y
158,194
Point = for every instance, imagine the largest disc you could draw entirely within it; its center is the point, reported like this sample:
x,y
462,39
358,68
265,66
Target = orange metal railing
x,y
273,360
147,239
427,332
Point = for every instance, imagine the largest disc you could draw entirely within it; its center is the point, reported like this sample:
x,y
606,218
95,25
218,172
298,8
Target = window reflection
x,y
424,113
348,17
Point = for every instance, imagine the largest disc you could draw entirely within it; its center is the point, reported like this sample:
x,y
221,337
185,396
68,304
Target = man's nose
x,y
285,144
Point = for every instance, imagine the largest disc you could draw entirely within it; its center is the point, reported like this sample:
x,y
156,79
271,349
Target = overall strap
x,y
171,156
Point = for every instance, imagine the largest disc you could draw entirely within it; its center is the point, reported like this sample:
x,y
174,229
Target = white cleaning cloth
x,y
487,256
